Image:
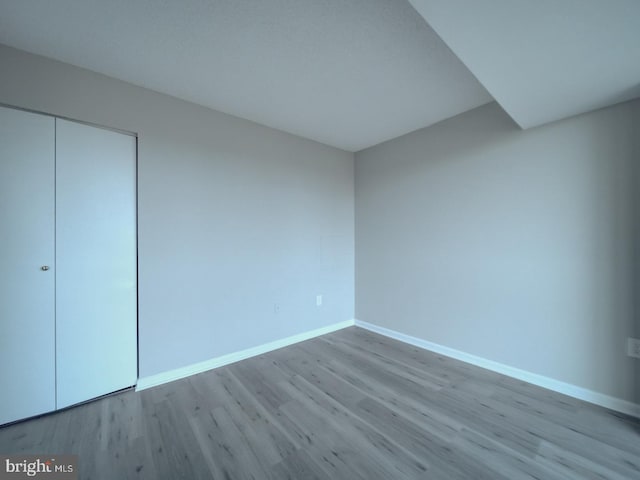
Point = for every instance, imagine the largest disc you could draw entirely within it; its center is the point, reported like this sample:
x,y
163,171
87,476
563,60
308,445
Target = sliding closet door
x,y
96,299
27,335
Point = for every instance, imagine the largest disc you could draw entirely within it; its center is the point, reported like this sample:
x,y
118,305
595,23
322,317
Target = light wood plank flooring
x,y
348,405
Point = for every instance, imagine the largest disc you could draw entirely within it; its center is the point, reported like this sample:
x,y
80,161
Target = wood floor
x,y
348,405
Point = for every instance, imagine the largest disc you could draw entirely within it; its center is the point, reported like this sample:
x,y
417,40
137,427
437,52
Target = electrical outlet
x,y
318,300
633,347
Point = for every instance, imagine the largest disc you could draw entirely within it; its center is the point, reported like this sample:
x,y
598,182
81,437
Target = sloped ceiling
x,y
544,60
348,74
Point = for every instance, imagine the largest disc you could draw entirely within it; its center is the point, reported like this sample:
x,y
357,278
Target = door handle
x,y
44,268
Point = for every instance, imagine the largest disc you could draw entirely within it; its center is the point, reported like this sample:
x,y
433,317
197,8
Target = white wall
x,y
517,246
233,217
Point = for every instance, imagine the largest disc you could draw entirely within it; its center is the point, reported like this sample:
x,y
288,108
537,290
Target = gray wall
x,y
516,246
234,217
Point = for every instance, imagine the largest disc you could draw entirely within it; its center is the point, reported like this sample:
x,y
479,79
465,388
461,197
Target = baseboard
x,y
178,373
571,390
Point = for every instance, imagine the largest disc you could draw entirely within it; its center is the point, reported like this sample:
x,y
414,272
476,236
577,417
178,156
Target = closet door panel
x,y
96,293
27,335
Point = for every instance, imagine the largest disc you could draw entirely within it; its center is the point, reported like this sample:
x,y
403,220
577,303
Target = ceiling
x,y
544,60
354,73
346,73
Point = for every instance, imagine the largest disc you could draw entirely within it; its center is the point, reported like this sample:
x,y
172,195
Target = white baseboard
x,y
569,389
178,373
